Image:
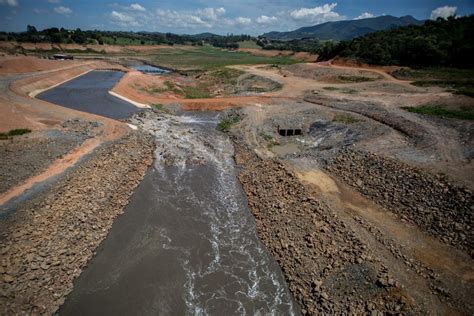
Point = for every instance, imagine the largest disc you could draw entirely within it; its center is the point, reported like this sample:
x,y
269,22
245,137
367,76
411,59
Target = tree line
x,y
64,36
311,45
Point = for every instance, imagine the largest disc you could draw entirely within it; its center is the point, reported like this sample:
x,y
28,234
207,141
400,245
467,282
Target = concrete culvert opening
x,y
290,131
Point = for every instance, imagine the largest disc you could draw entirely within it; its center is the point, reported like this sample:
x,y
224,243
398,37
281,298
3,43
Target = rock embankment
x,y
28,155
47,243
430,201
328,268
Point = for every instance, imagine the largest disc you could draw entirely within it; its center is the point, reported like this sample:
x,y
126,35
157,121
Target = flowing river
x,y
186,243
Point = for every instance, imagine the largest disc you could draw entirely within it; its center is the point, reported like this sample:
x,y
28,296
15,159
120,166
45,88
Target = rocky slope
x,y
327,267
429,201
47,243
30,154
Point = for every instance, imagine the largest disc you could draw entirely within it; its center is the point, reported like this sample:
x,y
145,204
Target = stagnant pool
x,y
90,93
152,70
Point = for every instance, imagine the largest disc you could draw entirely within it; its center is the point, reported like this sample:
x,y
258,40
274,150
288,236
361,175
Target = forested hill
x,y
435,43
63,36
344,30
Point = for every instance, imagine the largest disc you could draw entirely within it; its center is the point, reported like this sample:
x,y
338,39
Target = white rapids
x,y
207,225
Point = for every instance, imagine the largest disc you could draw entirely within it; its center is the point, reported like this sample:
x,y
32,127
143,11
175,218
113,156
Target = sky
x,y
252,17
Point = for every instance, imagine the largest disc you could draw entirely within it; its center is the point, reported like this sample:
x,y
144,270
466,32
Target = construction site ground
x,y
370,209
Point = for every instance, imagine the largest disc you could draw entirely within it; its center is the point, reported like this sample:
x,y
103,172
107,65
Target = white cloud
x,y
137,7
54,1
210,14
242,21
12,3
317,15
179,19
365,15
263,19
123,19
443,12
206,18
62,10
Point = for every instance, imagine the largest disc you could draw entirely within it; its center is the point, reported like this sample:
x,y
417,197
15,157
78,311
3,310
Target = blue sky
x,y
218,16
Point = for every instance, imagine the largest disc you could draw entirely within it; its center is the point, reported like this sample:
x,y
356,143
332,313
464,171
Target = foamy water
x,y
207,226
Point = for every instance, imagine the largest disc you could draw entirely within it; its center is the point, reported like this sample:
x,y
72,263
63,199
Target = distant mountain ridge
x,y
345,30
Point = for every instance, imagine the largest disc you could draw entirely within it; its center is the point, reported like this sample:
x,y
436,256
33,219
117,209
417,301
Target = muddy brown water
x,y
186,243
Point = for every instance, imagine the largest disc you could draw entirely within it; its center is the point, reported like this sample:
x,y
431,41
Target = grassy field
x,y
460,81
345,119
439,110
248,44
207,57
124,41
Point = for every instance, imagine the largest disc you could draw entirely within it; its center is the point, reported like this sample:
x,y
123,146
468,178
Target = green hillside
x,y
447,43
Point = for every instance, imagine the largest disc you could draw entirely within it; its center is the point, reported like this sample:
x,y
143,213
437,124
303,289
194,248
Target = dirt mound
x,y
6,46
414,131
330,74
22,64
307,57
249,83
339,61
149,89
106,48
140,87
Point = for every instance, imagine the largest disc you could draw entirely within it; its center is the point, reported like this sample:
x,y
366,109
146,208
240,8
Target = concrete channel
x,y
90,93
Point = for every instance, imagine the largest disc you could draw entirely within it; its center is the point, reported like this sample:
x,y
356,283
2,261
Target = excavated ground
x,y
397,185
369,211
62,184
